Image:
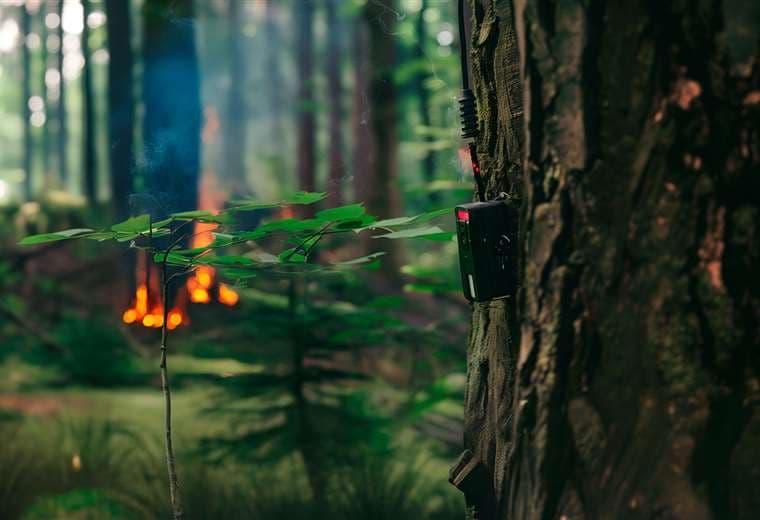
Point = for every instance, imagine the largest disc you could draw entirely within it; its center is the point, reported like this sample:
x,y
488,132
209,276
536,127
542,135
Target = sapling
x,y
303,235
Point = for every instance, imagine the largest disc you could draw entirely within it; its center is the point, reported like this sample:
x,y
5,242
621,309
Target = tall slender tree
x,y
274,83
62,119
423,95
121,105
42,12
304,14
362,139
336,165
235,120
26,94
384,195
623,385
88,116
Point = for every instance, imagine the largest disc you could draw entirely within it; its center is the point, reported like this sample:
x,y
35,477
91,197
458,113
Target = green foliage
x,y
94,353
304,233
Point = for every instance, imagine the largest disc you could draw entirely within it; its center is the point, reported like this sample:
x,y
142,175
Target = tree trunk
x,y
274,84
304,14
423,96
121,105
384,196
90,181
362,143
171,94
44,93
335,167
62,126
235,124
26,93
627,387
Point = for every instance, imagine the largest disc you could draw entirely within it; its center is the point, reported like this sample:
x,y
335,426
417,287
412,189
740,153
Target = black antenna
x,y
468,110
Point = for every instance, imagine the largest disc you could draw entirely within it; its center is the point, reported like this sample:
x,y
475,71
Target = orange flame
x,y
144,309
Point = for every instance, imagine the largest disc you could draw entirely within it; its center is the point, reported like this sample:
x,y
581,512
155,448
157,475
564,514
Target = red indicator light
x,y
463,215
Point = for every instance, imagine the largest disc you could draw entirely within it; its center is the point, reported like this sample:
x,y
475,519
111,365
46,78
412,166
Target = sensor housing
x,y
487,237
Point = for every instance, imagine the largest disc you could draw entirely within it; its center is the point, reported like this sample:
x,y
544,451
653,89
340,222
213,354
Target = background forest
x,y
331,394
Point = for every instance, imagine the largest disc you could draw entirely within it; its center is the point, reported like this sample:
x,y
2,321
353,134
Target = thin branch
x,y
174,493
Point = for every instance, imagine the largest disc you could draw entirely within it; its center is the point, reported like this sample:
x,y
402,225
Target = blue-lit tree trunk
x,y
171,95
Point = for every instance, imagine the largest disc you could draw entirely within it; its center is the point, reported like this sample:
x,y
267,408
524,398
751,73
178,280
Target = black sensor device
x,y
487,238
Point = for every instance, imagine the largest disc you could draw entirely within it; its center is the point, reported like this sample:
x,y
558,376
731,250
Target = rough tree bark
x,y
629,386
304,14
335,166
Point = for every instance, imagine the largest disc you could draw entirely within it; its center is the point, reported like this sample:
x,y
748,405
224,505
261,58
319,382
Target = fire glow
x,y
200,288
145,310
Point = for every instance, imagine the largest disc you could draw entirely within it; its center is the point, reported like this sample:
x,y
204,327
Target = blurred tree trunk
x,y
121,104
90,181
171,95
274,78
26,93
62,126
362,139
235,124
628,387
44,93
384,196
121,122
423,96
304,14
336,165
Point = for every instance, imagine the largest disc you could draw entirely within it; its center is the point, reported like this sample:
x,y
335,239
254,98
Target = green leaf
x,y
347,212
290,256
430,215
361,260
204,216
426,232
300,197
389,222
137,224
172,259
251,205
403,221
356,224
305,197
237,274
226,260
101,236
54,237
